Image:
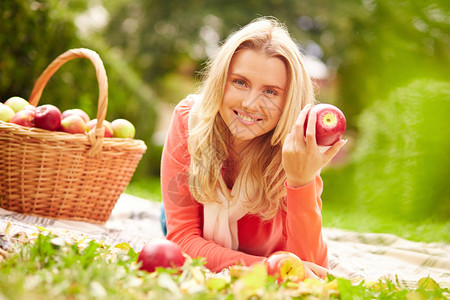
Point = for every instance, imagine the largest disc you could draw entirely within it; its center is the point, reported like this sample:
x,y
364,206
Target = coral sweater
x,y
298,230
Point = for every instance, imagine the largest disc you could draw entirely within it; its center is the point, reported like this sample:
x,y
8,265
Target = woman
x,y
239,178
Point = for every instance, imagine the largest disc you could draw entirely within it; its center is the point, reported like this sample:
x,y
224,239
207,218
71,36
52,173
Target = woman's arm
x,y
302,162
303,227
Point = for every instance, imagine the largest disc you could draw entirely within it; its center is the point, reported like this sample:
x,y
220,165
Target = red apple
x,y
160,253
17,103
107,125
123,128
73,124
47,117
24,117
330,124
6,113
76,111
31,107
285,266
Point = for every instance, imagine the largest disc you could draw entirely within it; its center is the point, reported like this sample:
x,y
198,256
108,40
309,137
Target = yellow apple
x,y
6,113
284,265
17,103
123,128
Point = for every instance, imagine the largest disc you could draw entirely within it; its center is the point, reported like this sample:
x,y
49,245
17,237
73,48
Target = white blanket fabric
x,y
374,255
367,256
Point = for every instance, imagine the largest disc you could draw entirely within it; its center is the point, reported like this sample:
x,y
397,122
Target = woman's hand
x,y
302,159
314,271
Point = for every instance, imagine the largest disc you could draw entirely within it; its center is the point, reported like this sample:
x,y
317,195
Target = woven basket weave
x,y
62,175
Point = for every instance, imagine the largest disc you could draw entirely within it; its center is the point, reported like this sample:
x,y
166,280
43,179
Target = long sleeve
x,y
183,213
303,226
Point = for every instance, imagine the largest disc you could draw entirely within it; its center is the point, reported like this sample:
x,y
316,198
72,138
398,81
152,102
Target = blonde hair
x,y
209,136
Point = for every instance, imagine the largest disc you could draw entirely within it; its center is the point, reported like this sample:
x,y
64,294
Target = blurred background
x,y
384,63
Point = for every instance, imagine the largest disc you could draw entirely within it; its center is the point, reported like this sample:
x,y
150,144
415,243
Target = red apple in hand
x,y
160,253
123,128
24,117
284,266
76,111
73,124
330,124
47,117
107,125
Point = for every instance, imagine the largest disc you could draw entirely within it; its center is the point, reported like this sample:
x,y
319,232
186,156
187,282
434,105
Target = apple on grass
x,y
17,103
107,125
284,265
330,124
73,124
47,117
123,128
6,113
160,253
24,117
76,111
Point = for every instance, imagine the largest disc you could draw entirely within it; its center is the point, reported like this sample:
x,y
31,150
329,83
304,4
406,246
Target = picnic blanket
x,y
365,256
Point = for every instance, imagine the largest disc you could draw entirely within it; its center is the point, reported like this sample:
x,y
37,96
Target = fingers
x,y
302,115
310,274
302,157
296,136
311,131
315,271
333,150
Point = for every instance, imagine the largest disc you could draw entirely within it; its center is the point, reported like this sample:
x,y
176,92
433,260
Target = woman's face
x,y
254,95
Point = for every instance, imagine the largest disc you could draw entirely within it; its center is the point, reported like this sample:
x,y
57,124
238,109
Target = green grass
x,y
148,188
49,266
339,216
428,231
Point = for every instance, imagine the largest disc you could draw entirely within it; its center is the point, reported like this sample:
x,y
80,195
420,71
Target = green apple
x,y
17,103
6,113
123,128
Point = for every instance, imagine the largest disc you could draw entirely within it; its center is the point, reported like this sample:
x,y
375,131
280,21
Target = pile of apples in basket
x,y
19,111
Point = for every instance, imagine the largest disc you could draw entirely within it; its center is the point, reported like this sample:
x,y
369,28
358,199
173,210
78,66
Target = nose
x,y
251,100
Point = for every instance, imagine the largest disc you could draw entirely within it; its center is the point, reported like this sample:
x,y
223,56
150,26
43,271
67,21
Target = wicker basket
x,y
62,175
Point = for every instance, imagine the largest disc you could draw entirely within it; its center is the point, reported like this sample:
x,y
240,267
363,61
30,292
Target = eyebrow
x,y
267,85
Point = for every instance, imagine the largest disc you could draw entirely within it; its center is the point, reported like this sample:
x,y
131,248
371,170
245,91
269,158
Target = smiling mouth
x,y
246,118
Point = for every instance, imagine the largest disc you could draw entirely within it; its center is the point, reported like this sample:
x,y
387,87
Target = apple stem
x,y
289,271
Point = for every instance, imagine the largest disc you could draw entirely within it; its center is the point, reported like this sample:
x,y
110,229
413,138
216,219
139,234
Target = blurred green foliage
x,y
371,47
389,44
153,51
399,166
34,33
401,156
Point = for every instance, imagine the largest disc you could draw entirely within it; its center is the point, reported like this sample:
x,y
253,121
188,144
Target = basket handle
x,y
95,136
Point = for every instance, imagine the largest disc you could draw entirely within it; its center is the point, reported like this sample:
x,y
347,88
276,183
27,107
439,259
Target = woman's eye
x,y
239,82
271,92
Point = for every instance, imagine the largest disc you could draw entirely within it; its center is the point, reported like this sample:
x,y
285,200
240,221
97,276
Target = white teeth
x,y
246,118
